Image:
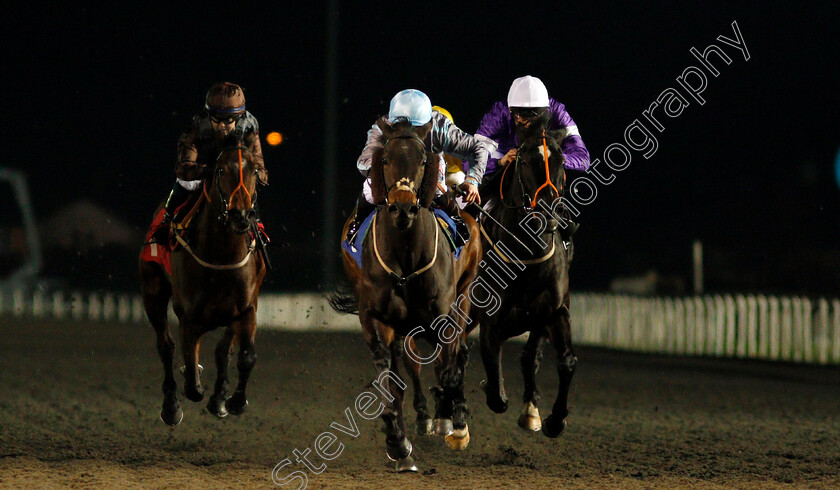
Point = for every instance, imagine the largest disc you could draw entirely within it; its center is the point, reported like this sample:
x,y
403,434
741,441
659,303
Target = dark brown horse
x,y
216,278
408,280
529,274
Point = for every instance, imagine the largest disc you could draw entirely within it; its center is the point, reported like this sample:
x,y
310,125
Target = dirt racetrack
x,y
80,408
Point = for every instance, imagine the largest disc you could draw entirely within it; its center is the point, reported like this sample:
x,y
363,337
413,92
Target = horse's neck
x,y
214,239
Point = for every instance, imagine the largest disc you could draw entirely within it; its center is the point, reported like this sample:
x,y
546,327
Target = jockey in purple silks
x,y
527,101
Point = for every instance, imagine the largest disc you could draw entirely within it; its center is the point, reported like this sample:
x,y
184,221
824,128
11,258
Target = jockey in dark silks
x,y
527,102
444,137
224,114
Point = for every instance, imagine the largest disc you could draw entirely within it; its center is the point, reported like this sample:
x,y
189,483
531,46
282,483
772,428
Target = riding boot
x,y
363,210
177,197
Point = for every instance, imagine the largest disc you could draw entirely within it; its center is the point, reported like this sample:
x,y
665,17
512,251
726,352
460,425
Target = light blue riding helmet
x,y
413,105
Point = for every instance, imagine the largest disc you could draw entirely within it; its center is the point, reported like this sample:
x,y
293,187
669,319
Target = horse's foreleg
x,y
529,419
245,329
560,335
389,384
156,294
424,421
491,355
216,404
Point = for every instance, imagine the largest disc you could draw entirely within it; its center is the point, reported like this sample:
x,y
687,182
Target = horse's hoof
x,y
236,405
552,428
406,465
442,427
496,402
424,427
194,393
399,451
529,419
172,418
216,406
458,439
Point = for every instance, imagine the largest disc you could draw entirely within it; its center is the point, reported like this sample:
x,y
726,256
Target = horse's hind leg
x,y
246,329
529,419
560,332
216,403
452,405
424,421
491,356
156,294
190,344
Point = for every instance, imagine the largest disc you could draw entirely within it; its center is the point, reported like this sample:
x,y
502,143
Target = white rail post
x,y
18,302
731,326
59,308
38,309
720,326
763,327
835,337
742,326
786,331
775,336
807,330
798,330
821,330
679,332
752,326
94,307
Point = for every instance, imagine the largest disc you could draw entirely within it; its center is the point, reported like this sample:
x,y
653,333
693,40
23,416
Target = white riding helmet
x,y
413,105
527,91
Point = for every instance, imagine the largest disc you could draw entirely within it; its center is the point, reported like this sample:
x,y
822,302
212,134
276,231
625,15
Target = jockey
x,y
455,175
199,145
444,137
527,102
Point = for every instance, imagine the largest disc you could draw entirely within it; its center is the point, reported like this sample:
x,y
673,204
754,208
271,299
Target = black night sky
x,y
97,96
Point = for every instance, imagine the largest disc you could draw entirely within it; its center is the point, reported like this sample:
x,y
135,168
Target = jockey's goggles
x,y
527,112
225,119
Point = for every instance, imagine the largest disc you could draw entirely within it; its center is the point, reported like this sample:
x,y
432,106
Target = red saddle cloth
x,y
159,252
153,251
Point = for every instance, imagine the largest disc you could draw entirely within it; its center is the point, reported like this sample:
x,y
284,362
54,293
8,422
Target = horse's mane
x,y
402,127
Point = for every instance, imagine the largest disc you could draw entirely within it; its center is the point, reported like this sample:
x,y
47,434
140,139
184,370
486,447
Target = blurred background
x,y
96,98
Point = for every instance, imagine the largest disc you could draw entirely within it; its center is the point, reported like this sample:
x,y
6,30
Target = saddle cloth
x,y
456,243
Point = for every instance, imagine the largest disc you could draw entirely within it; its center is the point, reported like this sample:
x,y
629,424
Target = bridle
x,y
408,185
224,214
518,174
404,184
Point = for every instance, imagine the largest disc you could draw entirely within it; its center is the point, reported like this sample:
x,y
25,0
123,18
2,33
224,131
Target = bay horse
x,y
405,286
215,282
533,280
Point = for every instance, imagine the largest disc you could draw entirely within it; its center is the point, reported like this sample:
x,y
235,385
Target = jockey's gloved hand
x,y
470,190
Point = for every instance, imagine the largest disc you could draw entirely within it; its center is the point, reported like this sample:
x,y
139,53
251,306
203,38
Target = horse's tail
x,y
342,300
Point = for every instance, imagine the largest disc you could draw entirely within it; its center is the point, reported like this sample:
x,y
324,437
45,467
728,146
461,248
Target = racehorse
x,y
532,279
215,281
405,286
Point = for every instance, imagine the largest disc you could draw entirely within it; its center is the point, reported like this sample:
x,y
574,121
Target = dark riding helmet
x,y
225,100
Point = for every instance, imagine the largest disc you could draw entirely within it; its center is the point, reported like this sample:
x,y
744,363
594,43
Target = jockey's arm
x,y
452,140
186,168
577,156
371,145
259,161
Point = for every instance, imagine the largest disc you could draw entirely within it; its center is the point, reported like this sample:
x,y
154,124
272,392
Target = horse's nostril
x,y
414,209
251,215
393,208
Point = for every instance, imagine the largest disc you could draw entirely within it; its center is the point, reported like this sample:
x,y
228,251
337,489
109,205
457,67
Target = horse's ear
x,y
385,127
430,179
377,176
423,131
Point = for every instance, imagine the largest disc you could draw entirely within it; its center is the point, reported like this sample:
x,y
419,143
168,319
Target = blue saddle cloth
x,y
355,248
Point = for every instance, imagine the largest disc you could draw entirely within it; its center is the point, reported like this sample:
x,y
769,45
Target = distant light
x,y
274,138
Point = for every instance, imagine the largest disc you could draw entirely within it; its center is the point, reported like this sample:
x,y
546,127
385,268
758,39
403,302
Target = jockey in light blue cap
x,y
444,137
